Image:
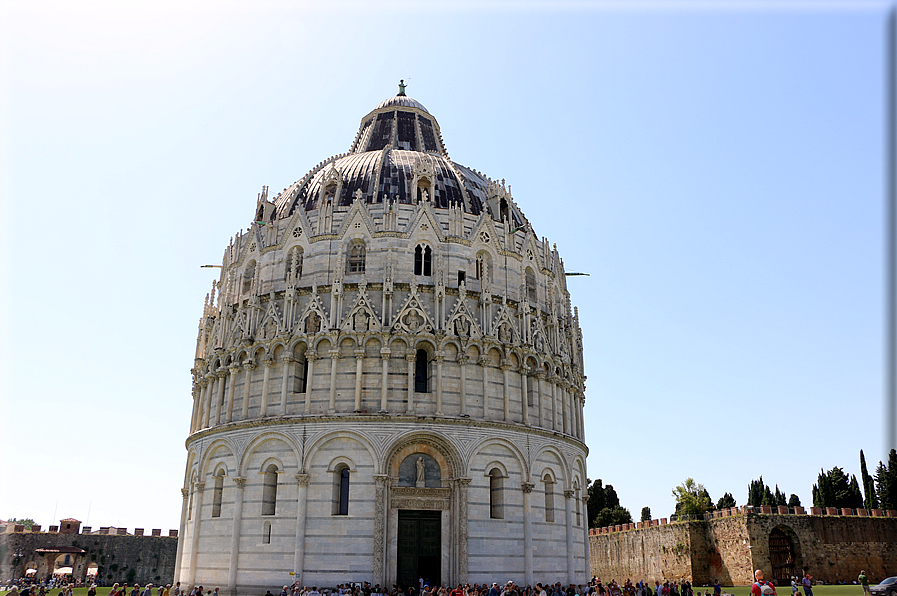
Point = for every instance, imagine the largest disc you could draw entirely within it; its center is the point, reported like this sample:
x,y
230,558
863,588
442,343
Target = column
x,y
506,368
440,358
247,387
229,411
562,388
311,356
462,364
194,549
523,393
235,537
198,390
268,362
540,376
285,382
380,529
585,537
410,357
207,401
359,374
219,400
178,560
527,535
463,484
334,358
301,516
568,515
552,384
484,363
384,378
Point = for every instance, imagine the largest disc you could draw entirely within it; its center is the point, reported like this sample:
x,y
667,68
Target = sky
x,y
717,168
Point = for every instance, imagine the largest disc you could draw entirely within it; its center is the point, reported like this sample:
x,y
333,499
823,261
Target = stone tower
x,y
388,382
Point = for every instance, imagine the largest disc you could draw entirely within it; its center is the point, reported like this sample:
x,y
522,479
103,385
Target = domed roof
x,y
401,100
397,147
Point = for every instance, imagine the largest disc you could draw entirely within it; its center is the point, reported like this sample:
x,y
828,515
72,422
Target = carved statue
x,y
420,471
504,334
413,321
313,323
425,195
360,320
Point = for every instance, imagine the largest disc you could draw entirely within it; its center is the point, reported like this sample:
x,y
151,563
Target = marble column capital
x,y
381,479
464,481
334,354
359,353
483,360
200,486
527,487
185,492
249,366
505,364
568,494
240,482
268,362
311,355
233,369
302,479
221,373
286,359
410,356
463,359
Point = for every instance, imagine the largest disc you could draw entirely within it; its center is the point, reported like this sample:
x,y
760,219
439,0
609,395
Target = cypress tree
x,y
871,500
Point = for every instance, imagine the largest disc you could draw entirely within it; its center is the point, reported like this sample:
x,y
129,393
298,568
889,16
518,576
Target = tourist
x,y
114,591
807,583
761,587
865,582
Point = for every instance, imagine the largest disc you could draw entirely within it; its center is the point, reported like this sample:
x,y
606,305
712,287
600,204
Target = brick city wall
x,y
729,546
140,559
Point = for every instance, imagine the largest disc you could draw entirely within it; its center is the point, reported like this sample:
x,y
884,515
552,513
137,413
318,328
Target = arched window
x,y
420,372
578,503
190,503
341,490
484,264
266,533
549,498
355,260
269,491
217,493
423,260
496,505
248,275
530,285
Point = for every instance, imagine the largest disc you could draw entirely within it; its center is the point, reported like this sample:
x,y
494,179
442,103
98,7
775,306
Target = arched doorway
x,y
781,556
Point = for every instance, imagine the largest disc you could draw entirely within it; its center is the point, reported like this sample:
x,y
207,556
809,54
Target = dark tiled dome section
x,y
362,171
401,101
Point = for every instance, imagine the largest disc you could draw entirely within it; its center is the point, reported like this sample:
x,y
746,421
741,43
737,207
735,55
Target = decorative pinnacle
x,y
402,86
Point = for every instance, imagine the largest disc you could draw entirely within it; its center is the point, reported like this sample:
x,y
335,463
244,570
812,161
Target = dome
x,y
401,101
398,146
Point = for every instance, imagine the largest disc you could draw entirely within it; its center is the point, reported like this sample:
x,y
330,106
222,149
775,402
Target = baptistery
x,y
388,382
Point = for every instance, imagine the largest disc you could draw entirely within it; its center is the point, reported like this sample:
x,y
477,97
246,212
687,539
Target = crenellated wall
x,y
833,547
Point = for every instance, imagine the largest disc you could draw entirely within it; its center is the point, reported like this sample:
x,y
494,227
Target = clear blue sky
x,y
717,168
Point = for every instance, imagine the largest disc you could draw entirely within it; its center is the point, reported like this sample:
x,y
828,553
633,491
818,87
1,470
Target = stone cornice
x,y
419,419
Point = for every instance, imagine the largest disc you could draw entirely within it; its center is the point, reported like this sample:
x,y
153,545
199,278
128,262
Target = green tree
x,y
726,501
871,500
691,498
794,501
758,492
611,516
600,498
27,522
780,497
835,489
886,482
646,514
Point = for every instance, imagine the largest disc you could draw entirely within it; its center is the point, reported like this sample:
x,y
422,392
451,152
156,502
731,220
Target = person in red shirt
x,y
760,587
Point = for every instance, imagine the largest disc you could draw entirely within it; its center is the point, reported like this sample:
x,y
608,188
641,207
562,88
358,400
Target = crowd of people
x,y
594,587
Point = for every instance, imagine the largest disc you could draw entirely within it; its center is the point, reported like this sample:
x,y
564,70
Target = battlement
x,y
13,528
747,509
